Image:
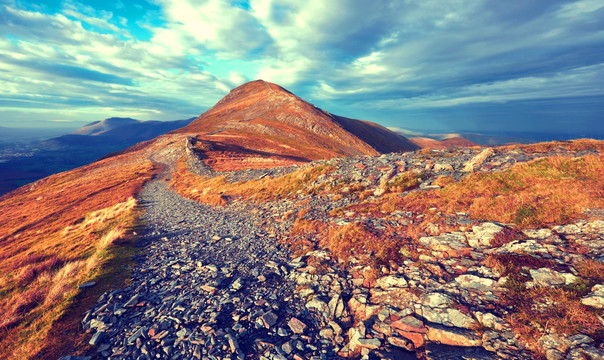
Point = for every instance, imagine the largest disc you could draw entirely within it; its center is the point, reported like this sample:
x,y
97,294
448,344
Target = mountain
x,y
23,163
156,252
260,120
99,127
116,132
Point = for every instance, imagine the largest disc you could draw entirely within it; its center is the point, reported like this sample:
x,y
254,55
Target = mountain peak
x,y
254,90
98,127
266,118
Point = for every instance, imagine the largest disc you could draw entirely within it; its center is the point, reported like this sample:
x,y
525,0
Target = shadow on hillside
x,y
227,150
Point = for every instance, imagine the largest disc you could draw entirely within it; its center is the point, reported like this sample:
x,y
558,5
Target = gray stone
x,y
391,281
135,336
483,234
401,343
296,326
237,285
269,319
336,307
472,282
477,160
287,348
319,306
549,277
97,338
87,285
448,317
453,336
595,298
436,300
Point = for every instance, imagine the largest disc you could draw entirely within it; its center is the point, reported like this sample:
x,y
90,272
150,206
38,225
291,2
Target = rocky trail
x,y
209,284
215,283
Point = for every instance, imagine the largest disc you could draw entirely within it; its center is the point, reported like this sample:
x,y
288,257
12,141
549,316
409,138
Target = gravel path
x,y
209,283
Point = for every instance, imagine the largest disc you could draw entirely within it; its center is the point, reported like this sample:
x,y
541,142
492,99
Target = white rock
x,y
477,160
436,300
595,298
391,281
472,282
549,277
483,234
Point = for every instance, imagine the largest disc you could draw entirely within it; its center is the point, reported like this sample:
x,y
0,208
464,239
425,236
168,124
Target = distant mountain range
x,y
11,134
22,163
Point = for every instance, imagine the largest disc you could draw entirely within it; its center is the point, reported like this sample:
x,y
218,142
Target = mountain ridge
x,y
248,249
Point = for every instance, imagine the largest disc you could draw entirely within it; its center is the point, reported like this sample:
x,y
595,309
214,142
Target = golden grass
x,y
571,145
357,239
404,182
540,310
554,190
544,309
218,190
54,235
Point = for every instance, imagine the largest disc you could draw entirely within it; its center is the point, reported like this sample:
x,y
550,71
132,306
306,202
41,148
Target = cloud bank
x,y
432,64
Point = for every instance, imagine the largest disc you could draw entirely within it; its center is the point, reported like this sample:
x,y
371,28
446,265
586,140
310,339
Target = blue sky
x,y
442,65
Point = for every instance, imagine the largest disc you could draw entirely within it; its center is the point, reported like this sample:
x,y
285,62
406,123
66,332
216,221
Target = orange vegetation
x,y
573,145
554,190
453,142
358,239
55,234
217,190
539,310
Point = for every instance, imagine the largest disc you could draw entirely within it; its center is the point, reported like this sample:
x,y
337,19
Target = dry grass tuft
x,y
404,182
539,310
591,269
572,145
543,310
505,236
218,190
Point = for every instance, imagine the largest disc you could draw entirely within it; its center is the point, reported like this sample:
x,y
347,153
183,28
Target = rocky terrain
x,y
233,282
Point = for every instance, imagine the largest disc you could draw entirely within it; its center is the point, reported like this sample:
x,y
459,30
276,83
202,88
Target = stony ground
x,y
215,283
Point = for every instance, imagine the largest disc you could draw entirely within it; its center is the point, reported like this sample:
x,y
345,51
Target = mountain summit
x,y
265,118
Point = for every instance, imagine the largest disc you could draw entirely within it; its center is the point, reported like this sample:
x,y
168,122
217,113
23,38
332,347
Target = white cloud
x,y
216,25
578,82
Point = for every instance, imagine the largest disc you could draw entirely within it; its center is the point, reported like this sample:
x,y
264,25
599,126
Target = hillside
x,y
248,249
260,124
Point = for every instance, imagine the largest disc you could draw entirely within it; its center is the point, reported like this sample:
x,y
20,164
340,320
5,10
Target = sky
x,y
438,65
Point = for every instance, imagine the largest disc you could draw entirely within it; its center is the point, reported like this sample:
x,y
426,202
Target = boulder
x,y
475,283
549,277
453,336
483,234
391,281
595,298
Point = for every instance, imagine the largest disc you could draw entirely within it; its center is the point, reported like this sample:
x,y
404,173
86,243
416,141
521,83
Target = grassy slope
x,y
54,235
